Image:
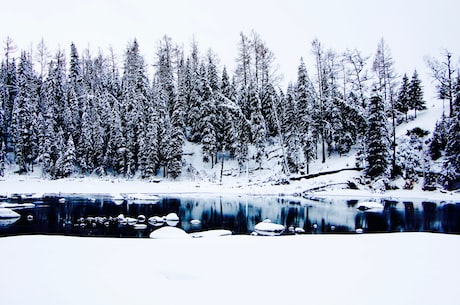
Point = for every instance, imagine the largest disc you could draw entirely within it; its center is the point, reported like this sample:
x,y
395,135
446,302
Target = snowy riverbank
x,y
15,184
398,268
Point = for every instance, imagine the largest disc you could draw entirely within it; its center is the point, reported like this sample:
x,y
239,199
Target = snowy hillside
x,y
201,178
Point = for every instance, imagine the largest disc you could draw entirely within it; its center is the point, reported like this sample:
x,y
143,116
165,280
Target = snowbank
x,y
407,268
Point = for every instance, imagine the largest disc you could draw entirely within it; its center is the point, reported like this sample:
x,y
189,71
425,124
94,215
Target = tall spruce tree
x,y
24,122
403,101
416,101
305,101
450,175
377,155
134,99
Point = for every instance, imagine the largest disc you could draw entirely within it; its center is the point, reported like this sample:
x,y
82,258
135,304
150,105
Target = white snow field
x,y
398,268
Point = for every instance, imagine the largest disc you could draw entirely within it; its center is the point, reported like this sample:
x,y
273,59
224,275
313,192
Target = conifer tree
x,y
24,122
257,121
292,131
225,121
134,98
65,166
305,100
450,175
208,118
403,101
416,101
377,155
438,140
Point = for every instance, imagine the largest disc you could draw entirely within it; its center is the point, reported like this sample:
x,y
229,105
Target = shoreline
x,y
110,186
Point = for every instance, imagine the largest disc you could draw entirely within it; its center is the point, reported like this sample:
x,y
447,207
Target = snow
x,y
370,206
169,233
8,213
398,268
211,233
267,228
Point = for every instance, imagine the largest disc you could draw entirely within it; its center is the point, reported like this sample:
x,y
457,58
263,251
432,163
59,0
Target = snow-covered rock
x,y
16,205
156,221
211,233
140,198
8,213
370,206
267,228
169,233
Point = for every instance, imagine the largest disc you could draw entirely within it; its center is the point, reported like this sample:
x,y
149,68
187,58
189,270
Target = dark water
x,y
98,215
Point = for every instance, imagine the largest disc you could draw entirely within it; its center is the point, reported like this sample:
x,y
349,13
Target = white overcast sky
x,y
411,28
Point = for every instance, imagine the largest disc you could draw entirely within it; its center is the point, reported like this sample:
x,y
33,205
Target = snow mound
x,y
370,206
169,233
8,213
211,233
267,228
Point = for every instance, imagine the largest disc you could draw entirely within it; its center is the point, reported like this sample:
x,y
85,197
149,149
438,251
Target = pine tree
x,y
65,166
305,101
383,66
208,118
225,121
377,165
134,98
258,128
438,140
403,101
24,121
416,101
450,175
292,131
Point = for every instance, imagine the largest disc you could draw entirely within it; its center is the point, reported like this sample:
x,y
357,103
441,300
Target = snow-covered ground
x,y
398,268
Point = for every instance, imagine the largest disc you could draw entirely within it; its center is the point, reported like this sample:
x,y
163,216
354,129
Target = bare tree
x,y
443,74
357,73
42,56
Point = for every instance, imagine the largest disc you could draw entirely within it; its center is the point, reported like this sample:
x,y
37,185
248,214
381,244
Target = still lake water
x,y
99,215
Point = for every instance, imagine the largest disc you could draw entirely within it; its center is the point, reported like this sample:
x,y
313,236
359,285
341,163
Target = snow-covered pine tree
x,y
403,101
225,125
193,99
56,83
208,118
377,155
134,97
416,101
2,157
292,131
9,75
450,175
85,145
47,154
257,121
177,140
383,67
305,101
116,147
24,121
65,166
164,130
75,92
58,150
178,125
438,140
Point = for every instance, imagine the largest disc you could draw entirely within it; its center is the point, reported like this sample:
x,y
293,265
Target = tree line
x,y
85,115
